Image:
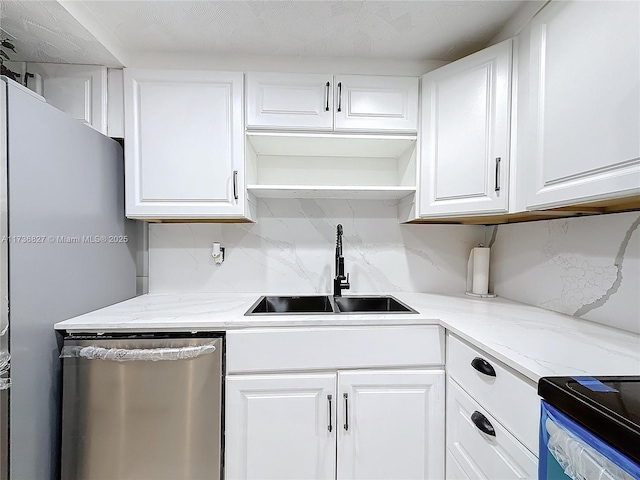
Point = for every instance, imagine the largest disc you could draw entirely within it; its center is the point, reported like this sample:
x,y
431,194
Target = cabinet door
x,y
290,101
367,103
465,135
184,144
391,425
476,453
584,131
78,90
280,427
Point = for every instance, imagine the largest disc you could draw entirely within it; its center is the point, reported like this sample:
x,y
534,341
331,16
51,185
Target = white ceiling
x,y
401,30
43,31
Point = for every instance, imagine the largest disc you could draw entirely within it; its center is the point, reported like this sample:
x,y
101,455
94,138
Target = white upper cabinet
x,y
115,102
290,101
344,103
184,144
78,90
584,129
465,135
368,103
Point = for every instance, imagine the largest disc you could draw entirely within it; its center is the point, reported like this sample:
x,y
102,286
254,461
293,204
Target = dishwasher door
x,y
142,408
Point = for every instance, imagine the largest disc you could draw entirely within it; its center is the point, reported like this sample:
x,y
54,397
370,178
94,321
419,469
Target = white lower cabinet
x,y
390,425
496,390
492,417
375,424
476,454
280,426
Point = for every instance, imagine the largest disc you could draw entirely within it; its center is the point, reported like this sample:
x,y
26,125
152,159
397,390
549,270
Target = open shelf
x,y
323,191
330,165
330,144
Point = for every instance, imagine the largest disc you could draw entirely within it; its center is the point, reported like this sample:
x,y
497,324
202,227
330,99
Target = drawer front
x,y
454,469
479,455
376,103
298,349
511,398
290,101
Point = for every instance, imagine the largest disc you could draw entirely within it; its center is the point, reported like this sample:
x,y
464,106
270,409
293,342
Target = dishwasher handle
x,y
91,352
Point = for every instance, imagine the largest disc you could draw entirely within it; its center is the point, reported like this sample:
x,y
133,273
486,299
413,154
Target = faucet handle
x,y
346,285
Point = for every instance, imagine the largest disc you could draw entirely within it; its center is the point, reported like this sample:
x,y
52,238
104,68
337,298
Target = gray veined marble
x,y
290,250
618,281
587,267
533,341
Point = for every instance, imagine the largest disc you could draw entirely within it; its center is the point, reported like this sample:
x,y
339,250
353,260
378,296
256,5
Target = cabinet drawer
x,y
291,349
376,103
511,398
290,101
478,454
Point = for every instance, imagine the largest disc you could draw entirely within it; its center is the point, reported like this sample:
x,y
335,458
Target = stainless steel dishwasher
x,y
142,407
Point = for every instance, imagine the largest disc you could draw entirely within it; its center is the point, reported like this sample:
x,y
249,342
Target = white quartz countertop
x,y
531,340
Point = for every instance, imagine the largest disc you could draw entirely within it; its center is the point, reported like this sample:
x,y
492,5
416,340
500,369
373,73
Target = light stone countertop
x,y
531,340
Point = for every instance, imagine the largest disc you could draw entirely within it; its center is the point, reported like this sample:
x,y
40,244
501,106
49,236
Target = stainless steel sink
x,y
377,304
278,305
300,305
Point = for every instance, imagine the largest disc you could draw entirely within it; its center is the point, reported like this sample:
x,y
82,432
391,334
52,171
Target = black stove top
x,y
607,406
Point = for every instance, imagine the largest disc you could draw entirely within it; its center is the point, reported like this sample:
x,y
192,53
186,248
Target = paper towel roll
x,y
478,271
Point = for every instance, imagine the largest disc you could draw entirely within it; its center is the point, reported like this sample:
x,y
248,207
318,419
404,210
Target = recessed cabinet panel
x,y
182,158
461,112
585,91
78,90
184,144
376,103
391,425
289,101
465,135
454,470
277,427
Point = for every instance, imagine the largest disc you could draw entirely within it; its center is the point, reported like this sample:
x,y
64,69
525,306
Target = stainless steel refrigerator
x,y
66,249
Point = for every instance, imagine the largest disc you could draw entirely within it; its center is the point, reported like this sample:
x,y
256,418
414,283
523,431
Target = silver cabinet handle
x,y
339,96
346,411
235,184
330,427
497,179
326,97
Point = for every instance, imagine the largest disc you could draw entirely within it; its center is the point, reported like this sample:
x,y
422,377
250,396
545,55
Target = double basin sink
x,y
301,305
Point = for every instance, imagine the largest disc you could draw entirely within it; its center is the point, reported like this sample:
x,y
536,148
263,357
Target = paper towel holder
x,y
477,282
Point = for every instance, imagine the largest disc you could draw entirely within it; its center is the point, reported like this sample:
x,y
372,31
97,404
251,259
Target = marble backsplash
x,y
588,267
291,250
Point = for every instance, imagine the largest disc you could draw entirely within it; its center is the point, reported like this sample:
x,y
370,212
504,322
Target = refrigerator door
x,y
69,253
142,409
